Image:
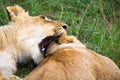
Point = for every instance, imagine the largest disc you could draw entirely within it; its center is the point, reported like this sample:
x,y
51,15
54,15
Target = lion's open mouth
x,y
45,43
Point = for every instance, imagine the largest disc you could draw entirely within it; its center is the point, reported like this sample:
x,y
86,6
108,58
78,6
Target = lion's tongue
x,y
44,44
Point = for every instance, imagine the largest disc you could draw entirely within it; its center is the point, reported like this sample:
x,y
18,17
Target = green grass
x,y
96,23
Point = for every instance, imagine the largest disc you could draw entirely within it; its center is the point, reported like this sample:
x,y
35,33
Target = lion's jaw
x,y
29,42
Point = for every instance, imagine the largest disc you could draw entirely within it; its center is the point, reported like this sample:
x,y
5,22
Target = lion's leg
x,y
12,77
7,64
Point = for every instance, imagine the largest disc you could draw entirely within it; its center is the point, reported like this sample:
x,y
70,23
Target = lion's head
x,y
35,25
31,30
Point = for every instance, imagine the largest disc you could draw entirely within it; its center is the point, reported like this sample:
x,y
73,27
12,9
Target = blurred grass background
x,y
96,23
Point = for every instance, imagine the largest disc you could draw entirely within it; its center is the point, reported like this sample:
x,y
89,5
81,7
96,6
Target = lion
x,y
20,38
69,59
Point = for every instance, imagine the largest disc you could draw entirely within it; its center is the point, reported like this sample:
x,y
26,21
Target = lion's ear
x,y
16,12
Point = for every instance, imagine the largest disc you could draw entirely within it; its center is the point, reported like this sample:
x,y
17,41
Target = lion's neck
x,y
9,41
7,36
56,47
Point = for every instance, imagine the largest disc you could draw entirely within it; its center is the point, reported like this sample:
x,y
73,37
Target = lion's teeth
x,y
43,49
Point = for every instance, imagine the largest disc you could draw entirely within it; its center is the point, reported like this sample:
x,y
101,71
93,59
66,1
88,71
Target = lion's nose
x,y
65,27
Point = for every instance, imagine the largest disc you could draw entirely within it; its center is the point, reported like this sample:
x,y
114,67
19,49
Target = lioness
x,y
68,59
19,39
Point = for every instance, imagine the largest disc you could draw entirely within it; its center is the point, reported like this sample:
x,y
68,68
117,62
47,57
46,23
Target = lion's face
x,y
34,26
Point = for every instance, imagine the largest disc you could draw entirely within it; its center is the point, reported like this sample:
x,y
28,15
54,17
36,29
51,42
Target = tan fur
x,y
71,60
19,39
